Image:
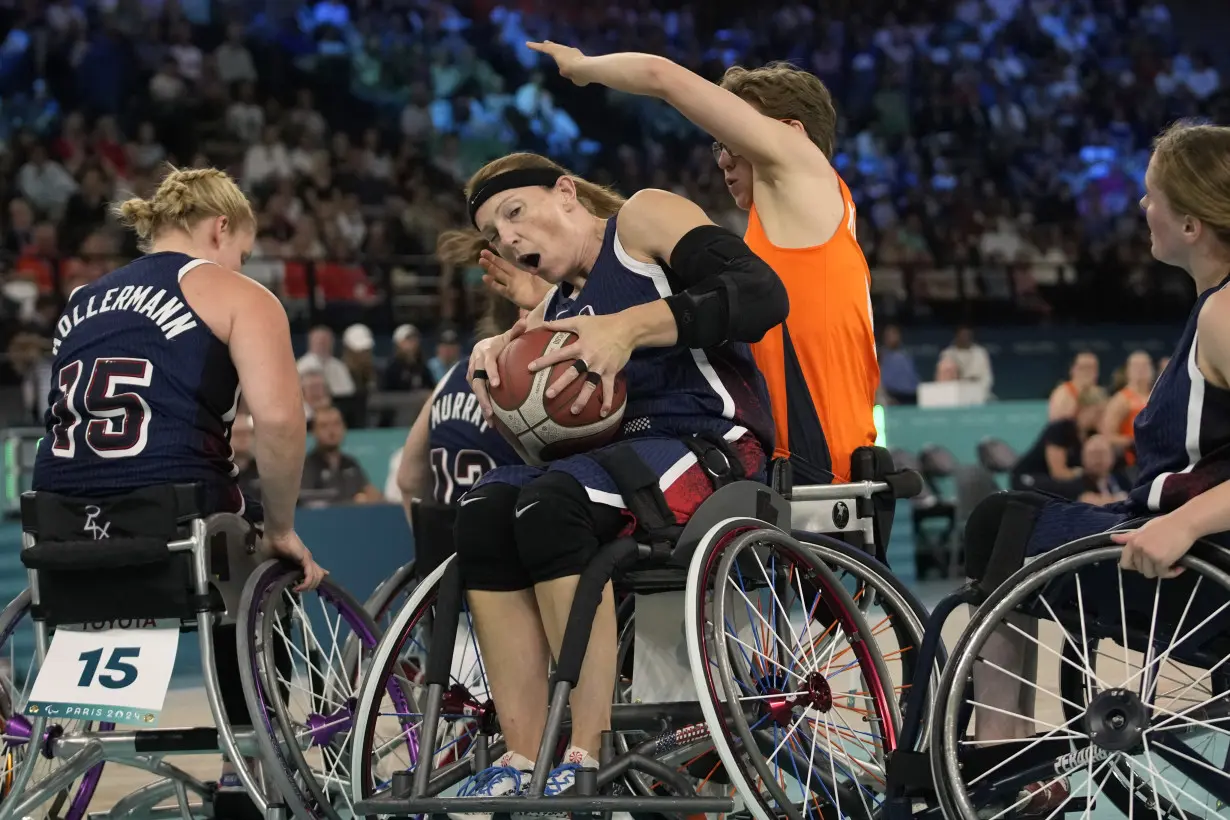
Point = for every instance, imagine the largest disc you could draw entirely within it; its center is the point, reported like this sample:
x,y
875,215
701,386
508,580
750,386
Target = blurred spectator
x,y
1120,417
406,369
1053,463
233,59
267,161
357,344
242,457
29,354
898,377
1101,484
315,392
320,358
448,353
972,360
44,182
330,474
947,369
1064,399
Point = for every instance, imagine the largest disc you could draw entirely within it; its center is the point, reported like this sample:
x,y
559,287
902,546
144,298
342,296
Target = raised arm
x,y
729,294
767,143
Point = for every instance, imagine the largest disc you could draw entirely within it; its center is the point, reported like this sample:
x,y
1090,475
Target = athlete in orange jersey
x,y
775,128
1121,411
1064,400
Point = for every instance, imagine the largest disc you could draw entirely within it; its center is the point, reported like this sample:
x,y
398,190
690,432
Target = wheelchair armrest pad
x,y
905,483
85,556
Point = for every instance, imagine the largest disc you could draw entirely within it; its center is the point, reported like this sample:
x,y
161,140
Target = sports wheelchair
x,y
793,652
1136,720
151,557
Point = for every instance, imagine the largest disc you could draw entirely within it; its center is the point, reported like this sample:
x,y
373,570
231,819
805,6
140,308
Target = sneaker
x,y
230,782
497,781
559,781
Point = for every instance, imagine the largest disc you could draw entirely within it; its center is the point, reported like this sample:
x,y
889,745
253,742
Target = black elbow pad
x,y
730,293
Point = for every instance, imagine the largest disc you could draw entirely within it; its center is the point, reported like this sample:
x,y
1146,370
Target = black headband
x,y
506,181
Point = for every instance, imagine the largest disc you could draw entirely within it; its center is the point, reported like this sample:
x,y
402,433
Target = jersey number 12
x,y
116,420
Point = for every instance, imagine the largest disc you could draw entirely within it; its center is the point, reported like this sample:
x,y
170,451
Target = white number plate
x,y
114,671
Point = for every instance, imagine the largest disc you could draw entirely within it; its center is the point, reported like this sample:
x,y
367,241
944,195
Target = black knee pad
x,y
486,546
558,529
1004,521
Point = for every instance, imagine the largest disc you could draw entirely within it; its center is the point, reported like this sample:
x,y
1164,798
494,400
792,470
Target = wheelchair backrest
x,y
95,559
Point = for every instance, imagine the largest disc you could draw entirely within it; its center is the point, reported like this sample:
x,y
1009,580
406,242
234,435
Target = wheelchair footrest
x,y
544,805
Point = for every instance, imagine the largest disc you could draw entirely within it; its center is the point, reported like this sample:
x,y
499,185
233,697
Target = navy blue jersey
x,y
142,392
463,445
672,391
1183,433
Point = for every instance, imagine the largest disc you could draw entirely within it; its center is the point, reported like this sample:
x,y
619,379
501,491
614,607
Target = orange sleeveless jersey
x,y
820,366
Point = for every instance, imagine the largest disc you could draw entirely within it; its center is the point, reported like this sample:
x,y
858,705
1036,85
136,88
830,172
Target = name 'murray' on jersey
x,y
169,313
458,407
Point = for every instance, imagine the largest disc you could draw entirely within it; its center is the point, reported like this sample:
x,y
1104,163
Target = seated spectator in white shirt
x,y
320,357
973,362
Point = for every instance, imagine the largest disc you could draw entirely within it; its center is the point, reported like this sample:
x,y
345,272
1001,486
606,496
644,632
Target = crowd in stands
x,y
996,147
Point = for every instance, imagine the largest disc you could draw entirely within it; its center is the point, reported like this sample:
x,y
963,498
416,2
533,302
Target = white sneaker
x,y
497,781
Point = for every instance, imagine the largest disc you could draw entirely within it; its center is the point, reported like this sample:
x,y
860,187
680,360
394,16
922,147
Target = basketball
x,y
546,429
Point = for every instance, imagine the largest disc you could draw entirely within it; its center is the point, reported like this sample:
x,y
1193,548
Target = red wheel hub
x,y
815,694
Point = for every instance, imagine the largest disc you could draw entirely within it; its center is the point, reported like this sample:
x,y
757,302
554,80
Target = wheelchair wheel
x,y
897,618
391,703
1136,718
24,765
778,655
298,685
388,598
385,601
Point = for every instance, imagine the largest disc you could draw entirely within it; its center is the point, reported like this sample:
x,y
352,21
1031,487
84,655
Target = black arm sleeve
x,y
729,294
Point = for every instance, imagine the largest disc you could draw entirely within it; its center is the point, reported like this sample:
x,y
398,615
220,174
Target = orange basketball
x,y
546,429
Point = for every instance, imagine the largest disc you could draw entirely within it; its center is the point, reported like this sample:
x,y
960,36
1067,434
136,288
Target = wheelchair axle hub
x,y
1116,718
324,728
17,731
458,702
814,694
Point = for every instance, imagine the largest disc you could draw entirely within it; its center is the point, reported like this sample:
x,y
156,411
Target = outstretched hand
x,y
567,59
517,285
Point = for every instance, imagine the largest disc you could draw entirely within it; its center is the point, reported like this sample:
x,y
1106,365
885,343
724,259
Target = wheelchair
x,y
1128,716
152,557
777,639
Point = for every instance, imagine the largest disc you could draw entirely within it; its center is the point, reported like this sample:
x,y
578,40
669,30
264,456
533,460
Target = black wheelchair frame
x,y
912,773
634,567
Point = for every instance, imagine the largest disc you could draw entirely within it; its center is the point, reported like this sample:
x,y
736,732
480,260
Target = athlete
x,y
1126,404
149,363
451,444
1065,398
654,289
776,129
1182,435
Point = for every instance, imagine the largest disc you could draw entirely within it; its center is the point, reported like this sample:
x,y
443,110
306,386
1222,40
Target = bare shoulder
x,y
653,221
1214,328
220,295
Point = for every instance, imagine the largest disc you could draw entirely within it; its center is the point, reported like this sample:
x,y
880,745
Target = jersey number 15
x,y
116,421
